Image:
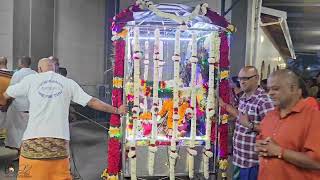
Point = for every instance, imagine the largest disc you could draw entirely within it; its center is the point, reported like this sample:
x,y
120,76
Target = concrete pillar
x,y
243,43
33,22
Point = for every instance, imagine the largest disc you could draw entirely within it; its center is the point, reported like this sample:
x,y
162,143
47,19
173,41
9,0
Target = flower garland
x,y
114,144
176,116
155,104
192,110
119,33
210,108
146,71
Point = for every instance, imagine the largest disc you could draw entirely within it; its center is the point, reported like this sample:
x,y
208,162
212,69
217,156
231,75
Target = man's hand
x,y
244,120
222,103
268,148
123,109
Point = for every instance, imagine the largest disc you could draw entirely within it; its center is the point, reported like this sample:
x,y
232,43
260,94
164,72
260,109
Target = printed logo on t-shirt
x,y
50,89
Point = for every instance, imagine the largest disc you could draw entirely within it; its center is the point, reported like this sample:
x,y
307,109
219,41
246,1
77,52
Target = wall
x,y
79,40
6,30
268,53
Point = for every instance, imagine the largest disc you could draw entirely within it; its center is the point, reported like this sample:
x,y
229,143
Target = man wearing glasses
x,y
253,106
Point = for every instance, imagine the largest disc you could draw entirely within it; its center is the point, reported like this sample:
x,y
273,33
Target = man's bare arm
x,y
99,105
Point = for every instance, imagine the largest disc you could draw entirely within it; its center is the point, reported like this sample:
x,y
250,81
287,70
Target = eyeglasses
x,y
245,78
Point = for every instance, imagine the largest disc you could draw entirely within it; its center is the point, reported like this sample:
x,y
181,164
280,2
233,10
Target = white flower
x,y
153,149
156,56
210,113
176,58
204,8
176,117
189,111
131,153
192,152
208,153
212,60
173,155
115,37
136,110
193,59
183,27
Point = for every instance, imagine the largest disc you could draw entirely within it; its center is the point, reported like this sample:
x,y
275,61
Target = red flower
x,y
114,156
115,120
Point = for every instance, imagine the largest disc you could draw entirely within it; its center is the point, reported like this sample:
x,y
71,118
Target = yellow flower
x,y
146,116
232,28
105,175
225,118
223,164
113,131
117,82
142,143
224,74
123,33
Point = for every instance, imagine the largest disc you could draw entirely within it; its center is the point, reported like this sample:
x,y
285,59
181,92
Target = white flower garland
x,y
155,106
210,109
173,149
191,151
137,56
146,71
198,10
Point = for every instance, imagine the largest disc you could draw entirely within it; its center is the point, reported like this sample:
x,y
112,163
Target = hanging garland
x,y
119,33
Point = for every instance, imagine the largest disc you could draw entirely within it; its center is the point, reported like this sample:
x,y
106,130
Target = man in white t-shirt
x,y
44,149
18,112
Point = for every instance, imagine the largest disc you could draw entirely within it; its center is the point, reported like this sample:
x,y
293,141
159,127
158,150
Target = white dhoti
x,y
2,119
16,123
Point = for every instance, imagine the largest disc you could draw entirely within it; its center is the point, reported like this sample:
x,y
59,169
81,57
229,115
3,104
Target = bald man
x,y
3,63
289,140
253,106
44,149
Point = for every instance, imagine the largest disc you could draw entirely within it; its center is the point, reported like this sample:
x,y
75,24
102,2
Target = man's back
x,y
49,95
4,83
21,103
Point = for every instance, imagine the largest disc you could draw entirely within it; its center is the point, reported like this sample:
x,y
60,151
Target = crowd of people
x,y
276,121
276,126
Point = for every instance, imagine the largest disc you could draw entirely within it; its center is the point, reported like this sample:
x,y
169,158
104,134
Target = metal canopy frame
x,y
223,7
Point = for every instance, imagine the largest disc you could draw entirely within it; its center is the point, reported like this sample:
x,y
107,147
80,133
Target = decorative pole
x,y
137,56
173,149
155,108
191,150
210,109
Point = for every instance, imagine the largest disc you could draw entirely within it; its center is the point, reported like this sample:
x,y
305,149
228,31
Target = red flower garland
x,y
224,93
114,144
